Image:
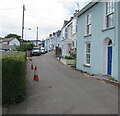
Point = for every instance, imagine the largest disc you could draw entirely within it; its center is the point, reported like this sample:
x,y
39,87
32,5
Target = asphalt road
x,y
62,90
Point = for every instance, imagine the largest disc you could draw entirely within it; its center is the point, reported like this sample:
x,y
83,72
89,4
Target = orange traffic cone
x,y
32,66
35,74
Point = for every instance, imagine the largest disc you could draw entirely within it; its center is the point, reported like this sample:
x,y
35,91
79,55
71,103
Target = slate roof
x,y
6,39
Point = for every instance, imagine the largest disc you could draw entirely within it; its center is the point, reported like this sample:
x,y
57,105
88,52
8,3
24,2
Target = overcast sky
x,y
48,15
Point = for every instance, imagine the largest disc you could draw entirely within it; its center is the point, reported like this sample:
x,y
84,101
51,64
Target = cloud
x,y
48,15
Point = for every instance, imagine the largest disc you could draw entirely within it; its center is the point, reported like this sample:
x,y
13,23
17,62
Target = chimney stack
x,y
50,35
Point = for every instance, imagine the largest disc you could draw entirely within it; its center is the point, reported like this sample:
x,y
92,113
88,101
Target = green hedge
x,y
25,46
73,54
13,77
68,57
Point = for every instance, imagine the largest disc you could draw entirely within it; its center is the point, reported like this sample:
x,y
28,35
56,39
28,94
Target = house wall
x,y
14,42
97,40
69,31
5,43
51,43
54,42
67,42
58,41
46,45
74,31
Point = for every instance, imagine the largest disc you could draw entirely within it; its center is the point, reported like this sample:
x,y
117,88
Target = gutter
x,y
88,6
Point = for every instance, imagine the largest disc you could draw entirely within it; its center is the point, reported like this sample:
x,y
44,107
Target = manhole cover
x,y
49,86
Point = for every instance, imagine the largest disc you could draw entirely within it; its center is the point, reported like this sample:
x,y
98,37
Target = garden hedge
x,y
13,77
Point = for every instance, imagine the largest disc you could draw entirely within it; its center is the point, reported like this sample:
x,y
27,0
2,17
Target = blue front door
x,y
109,60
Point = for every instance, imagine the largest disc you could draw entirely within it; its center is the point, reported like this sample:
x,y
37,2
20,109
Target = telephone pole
x,y
37,38
23,22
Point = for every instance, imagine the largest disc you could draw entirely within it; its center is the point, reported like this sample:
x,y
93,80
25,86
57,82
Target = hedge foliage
x,y
13,77
72,55
25,46
68,57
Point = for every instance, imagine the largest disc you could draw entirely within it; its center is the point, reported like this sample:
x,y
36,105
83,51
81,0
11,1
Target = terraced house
x,y
98,38
68,34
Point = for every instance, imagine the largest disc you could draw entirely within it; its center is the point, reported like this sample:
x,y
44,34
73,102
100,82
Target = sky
x,y
48,15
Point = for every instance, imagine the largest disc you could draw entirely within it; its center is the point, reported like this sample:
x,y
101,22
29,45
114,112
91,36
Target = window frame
x,y
109,12
74,26
87,53
88,24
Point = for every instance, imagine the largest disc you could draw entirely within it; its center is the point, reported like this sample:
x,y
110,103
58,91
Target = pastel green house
x,y
98,37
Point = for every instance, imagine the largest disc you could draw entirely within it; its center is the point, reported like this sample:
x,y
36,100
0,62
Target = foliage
x,y
25,46
111,78
73,54
13,35
68,57
13,77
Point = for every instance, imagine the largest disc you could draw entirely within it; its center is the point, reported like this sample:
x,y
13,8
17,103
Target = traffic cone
x,y
32,66
36,78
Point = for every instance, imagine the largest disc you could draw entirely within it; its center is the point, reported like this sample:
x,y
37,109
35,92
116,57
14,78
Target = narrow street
x,y
62,90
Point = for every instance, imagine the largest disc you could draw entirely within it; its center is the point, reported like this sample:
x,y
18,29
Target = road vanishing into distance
x,y
63,90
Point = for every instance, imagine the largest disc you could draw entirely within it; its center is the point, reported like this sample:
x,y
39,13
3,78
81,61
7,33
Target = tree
x,y
13,35
25,46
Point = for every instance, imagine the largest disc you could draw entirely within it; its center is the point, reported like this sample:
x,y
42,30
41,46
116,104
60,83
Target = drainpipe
x,y
118,41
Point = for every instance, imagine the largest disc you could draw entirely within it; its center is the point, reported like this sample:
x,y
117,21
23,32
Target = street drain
x,y
49,86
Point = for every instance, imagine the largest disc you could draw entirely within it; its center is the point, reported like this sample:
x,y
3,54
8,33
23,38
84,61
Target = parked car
x,y
42,50
2,50
36,51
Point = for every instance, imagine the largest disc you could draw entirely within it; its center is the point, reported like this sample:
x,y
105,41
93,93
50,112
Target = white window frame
x,y
88,24
109,12
66,32
63,34
87,53
74,26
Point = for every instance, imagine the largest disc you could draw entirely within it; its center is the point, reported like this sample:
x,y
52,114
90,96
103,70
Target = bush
x,y
26,46
73,54
13,77
68,57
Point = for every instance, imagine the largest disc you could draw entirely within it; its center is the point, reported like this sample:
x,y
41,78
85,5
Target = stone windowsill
x,y
108,28
85,65
87,35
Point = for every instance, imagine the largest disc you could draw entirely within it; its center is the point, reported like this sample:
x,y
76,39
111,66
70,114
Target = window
x,y
110,43
109,13
73,44
71,30
63,34
66,31
74,26
87,54
88,24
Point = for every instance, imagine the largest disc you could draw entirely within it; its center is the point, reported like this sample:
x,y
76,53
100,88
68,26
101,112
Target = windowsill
x,y
86,65
87,35
73,33
108,28
64,39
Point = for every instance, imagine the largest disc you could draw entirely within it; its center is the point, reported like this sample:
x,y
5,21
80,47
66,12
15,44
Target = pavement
x,y
102,77
62,90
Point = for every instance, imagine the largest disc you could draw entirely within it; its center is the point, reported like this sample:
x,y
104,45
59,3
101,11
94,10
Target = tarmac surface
x,y
62,90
